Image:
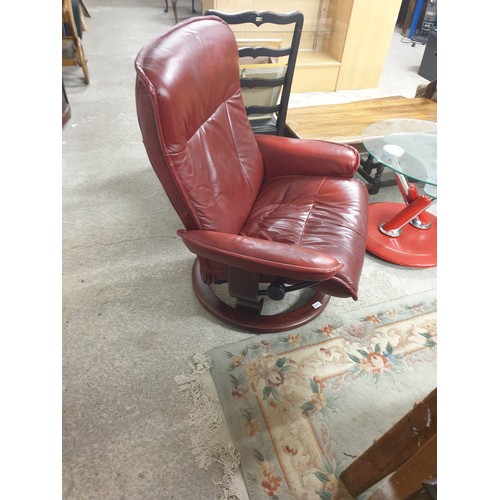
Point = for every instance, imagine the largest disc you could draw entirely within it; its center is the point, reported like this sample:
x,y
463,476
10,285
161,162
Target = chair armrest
x,y
287,156
261,256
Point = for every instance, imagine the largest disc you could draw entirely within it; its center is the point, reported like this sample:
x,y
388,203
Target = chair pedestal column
x,y
243,285
245,315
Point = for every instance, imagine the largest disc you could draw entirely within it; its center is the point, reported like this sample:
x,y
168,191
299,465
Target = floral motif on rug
x,y
301,406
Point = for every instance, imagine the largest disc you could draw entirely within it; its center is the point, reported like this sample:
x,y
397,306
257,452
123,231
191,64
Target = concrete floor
x,y
130,319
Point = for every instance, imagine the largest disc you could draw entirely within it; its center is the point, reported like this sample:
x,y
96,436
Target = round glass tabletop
x,y
409,147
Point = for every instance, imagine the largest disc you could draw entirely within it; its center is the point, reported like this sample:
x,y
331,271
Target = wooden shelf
x,y
315,70
315,58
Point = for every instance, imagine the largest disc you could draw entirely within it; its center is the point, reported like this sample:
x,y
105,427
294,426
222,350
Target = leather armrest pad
x,y
262,256
287,156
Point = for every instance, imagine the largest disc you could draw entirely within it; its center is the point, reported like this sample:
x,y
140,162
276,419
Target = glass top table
x,y
405,234
409,147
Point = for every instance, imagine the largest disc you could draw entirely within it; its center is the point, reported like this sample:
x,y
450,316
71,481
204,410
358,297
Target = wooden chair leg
x,y
84,9
83,62
82,20
174,8
66,108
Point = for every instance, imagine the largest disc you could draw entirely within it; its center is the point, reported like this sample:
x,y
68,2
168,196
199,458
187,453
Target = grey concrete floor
x,y
130,318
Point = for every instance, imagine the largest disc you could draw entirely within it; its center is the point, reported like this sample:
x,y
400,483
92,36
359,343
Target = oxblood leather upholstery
x,y
266,204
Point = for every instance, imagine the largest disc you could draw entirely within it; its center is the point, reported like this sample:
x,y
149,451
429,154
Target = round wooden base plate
x,y
254,322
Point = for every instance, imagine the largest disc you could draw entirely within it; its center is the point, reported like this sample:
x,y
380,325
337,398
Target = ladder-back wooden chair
x,y
267,66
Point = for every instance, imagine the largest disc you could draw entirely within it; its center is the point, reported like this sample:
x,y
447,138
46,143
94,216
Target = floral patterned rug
x,y
301,406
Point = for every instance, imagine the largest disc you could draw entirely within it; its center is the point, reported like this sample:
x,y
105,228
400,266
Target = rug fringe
x,y
207,419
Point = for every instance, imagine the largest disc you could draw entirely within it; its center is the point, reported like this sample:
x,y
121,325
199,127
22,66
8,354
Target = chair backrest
x,y
267,66
194,125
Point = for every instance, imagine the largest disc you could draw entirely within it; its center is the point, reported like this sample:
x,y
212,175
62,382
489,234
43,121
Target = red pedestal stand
x,y
414,247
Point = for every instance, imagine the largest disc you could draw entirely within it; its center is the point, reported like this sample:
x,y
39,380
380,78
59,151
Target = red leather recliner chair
x,y
264,214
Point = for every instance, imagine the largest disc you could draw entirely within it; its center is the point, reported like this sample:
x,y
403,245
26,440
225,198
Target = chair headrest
x,y
195,62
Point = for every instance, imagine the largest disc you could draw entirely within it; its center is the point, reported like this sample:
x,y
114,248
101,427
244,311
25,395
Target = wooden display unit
x,y
344,42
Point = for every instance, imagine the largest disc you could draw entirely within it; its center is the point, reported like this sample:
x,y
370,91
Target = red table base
x,y
413,248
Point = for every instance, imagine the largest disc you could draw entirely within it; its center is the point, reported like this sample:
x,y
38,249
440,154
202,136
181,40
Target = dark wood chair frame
x,y
275,125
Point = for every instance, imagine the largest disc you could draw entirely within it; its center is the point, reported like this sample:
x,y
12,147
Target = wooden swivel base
x,y
254,321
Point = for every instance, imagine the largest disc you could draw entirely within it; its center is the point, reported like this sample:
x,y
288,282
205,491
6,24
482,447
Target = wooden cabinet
x,y
344,42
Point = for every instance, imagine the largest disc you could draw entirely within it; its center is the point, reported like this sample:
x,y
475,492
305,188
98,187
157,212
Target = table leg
x,y
394,226
365,170
410,194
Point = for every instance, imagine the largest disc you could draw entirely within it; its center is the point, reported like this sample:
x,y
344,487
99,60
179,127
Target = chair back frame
x,y
285,82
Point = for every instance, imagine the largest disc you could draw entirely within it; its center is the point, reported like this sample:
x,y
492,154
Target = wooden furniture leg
x,y
83,13
407,481
365,170
66,108
408,449
84,9
174,7
74,43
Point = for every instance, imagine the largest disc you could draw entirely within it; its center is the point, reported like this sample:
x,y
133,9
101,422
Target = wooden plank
x,y
340,15
370,31
394,448
407,481
346,122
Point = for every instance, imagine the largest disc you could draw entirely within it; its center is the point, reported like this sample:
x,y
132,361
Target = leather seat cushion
x,y
323,213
